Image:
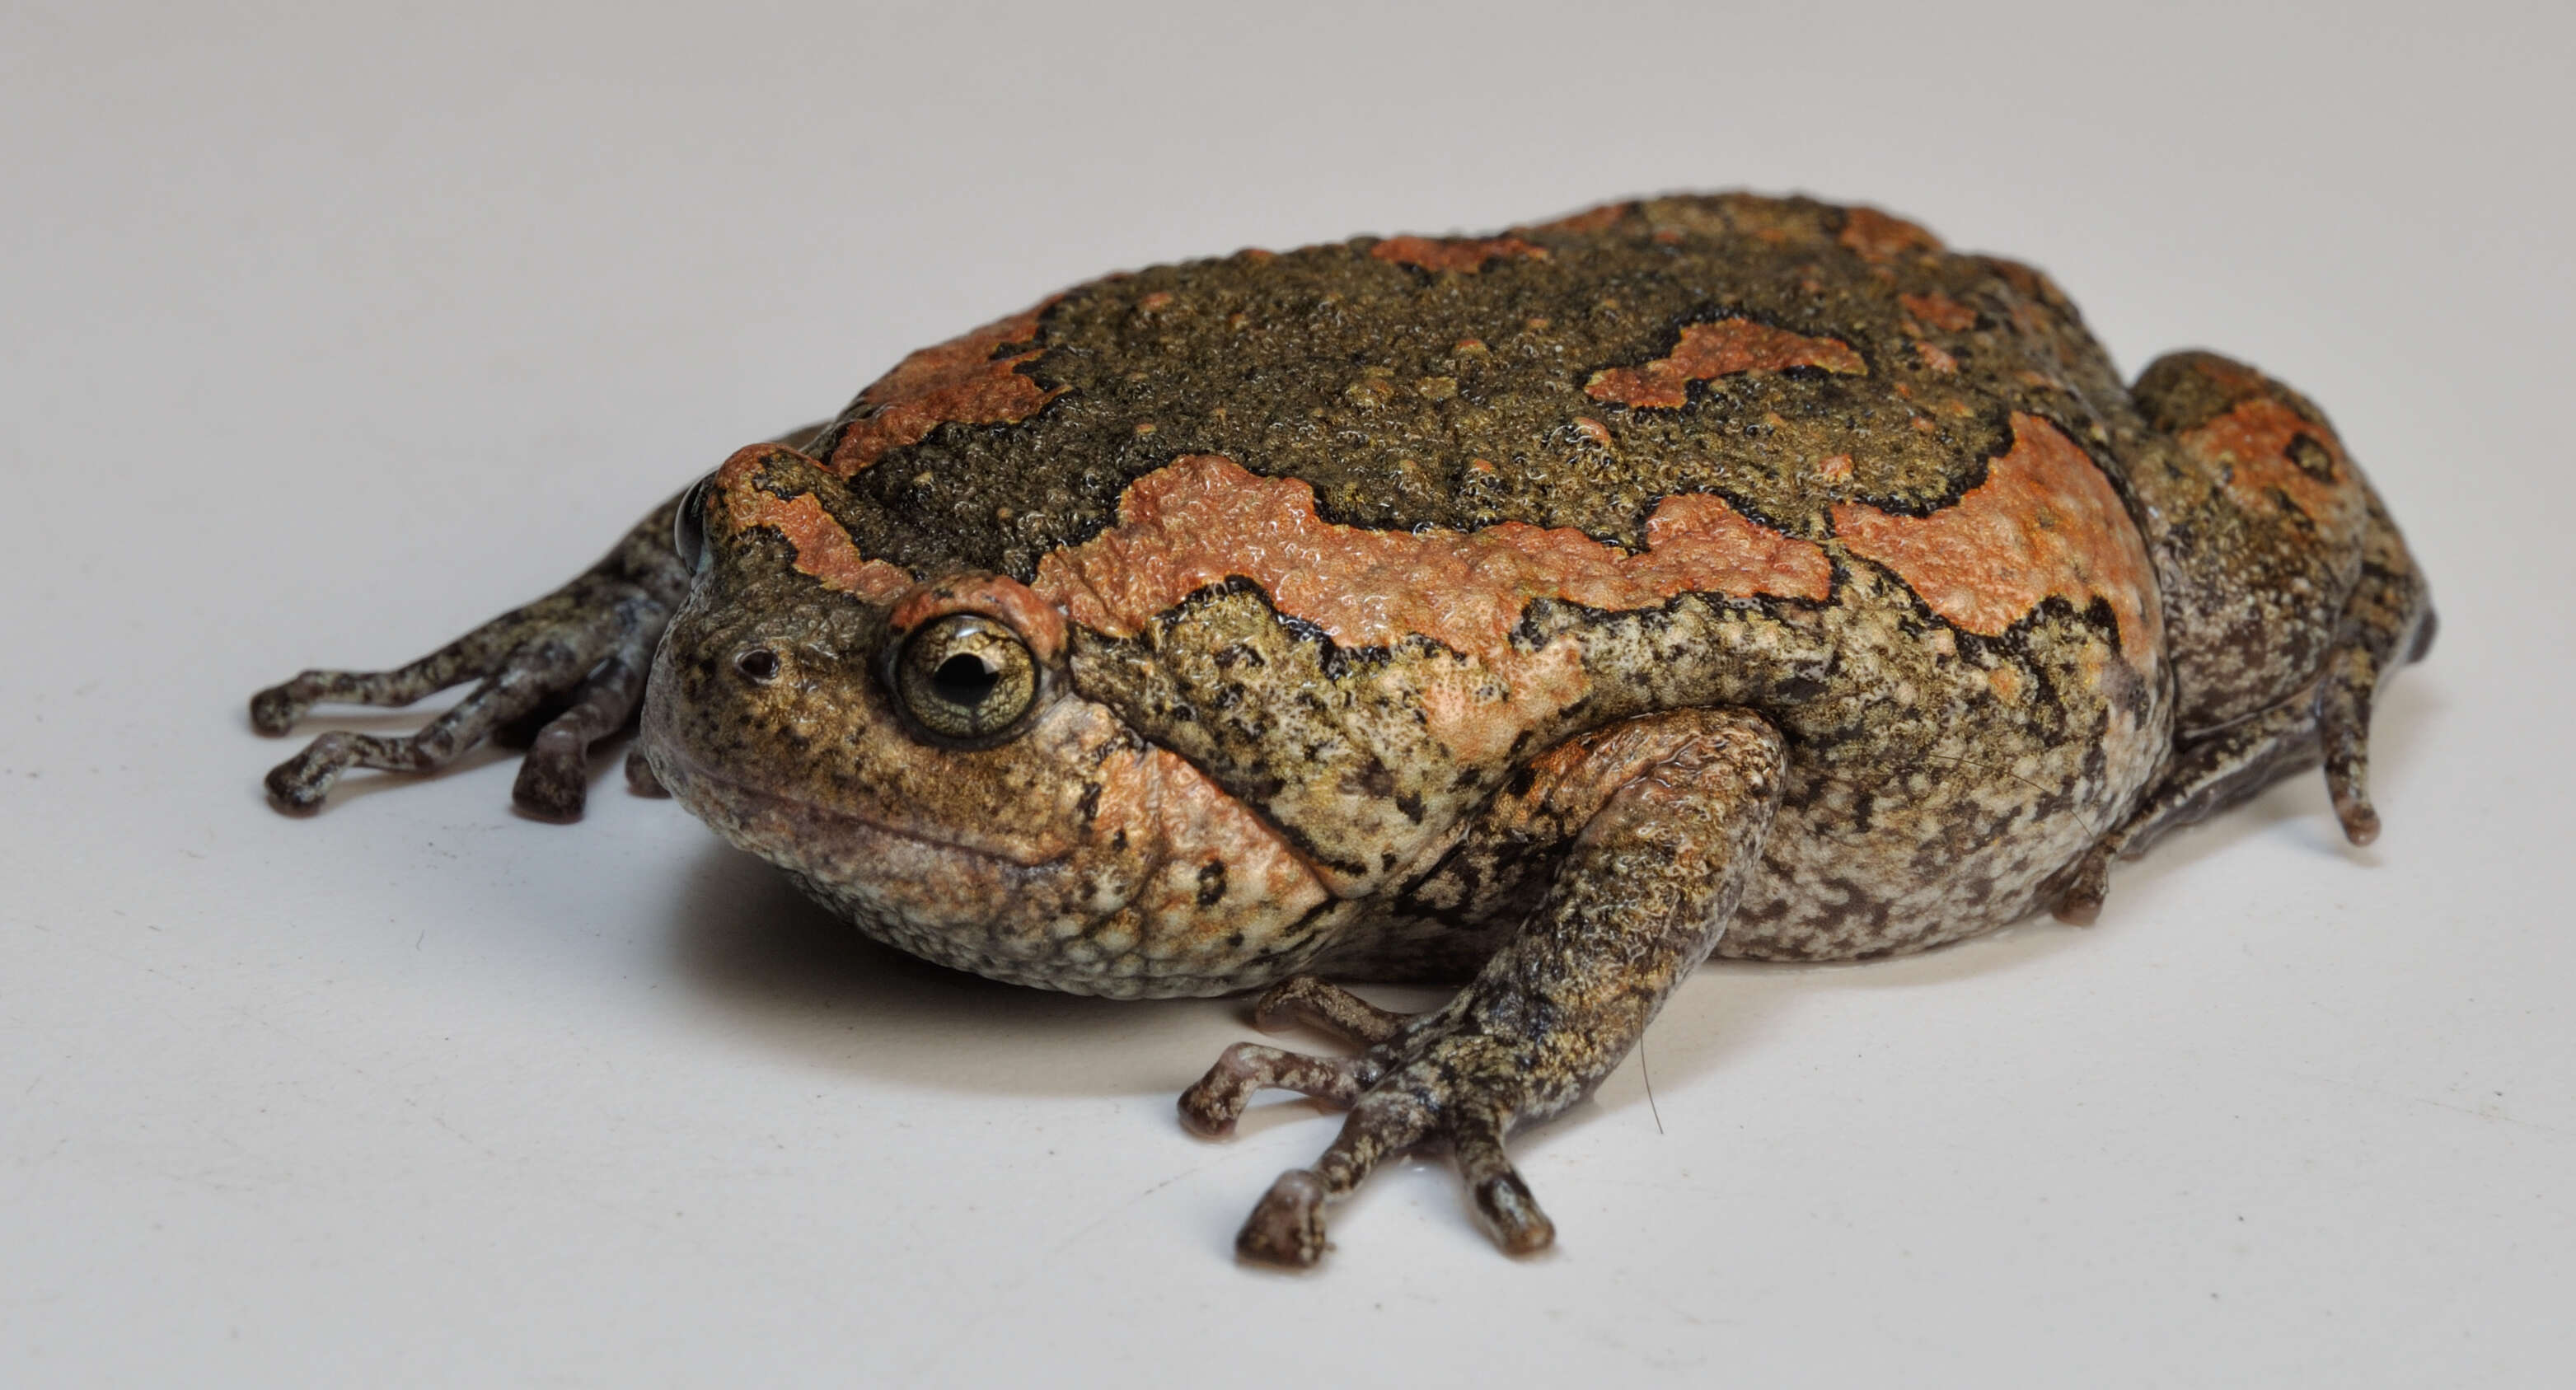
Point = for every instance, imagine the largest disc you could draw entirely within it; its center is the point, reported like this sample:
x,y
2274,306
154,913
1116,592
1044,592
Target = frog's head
x,y
912,748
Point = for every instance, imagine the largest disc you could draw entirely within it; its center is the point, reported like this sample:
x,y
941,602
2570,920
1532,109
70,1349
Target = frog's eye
x,y
966,678
689,525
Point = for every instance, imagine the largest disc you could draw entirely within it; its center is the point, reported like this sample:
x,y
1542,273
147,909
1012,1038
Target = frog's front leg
x,y
1661,819
584,648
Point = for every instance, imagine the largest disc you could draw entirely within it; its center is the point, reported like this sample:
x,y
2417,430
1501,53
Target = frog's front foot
x,y
577,659
1440,1078
1662,817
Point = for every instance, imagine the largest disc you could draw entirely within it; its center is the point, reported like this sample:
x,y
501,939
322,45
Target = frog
x,y
1534,615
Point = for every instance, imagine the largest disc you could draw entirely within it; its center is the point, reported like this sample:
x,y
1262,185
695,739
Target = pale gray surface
x,y
329,334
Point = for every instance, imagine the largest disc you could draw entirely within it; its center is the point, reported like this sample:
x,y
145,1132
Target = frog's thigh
x,y
1665,816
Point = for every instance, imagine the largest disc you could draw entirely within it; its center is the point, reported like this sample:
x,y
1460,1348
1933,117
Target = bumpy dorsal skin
x,y
1545,611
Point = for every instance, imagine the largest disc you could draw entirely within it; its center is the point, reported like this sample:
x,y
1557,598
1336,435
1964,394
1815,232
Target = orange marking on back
x,y
2044,523
823,549
1724,348
1940,311
956,382
1454,253
1204,519
1879,237
2254,440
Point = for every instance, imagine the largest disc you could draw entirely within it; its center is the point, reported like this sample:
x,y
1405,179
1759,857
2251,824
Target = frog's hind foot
x,y
575,661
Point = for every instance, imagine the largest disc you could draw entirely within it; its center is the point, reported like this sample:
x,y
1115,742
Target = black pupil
x,y
964,680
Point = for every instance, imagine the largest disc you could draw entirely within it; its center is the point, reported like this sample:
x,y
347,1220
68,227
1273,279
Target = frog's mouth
x,y
960,905
782,828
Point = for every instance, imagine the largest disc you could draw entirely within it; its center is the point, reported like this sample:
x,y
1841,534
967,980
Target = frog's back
x,y
1358,527
1565,375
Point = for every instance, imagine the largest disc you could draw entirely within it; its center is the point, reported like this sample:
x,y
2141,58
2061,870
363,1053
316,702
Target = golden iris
x,y
966,677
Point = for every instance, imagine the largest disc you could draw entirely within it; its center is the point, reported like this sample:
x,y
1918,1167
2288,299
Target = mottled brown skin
x,y
1547,611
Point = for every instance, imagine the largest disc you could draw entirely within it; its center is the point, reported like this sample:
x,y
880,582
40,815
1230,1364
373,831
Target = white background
x,y
331,331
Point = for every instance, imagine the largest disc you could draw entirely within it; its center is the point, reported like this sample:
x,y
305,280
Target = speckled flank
x,y
969,379
1707,351
2045,524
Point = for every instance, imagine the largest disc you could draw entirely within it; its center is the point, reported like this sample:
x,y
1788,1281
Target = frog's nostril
x,y
758,665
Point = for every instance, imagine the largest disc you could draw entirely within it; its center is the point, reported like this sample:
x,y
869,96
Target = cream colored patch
x,y
1267,887
1459,707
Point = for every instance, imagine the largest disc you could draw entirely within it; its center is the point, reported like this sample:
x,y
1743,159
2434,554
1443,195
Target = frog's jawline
x,y
743,794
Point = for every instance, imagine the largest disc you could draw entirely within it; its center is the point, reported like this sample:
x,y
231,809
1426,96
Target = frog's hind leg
x,y
588,645
2204,776
1662,819
2290,596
